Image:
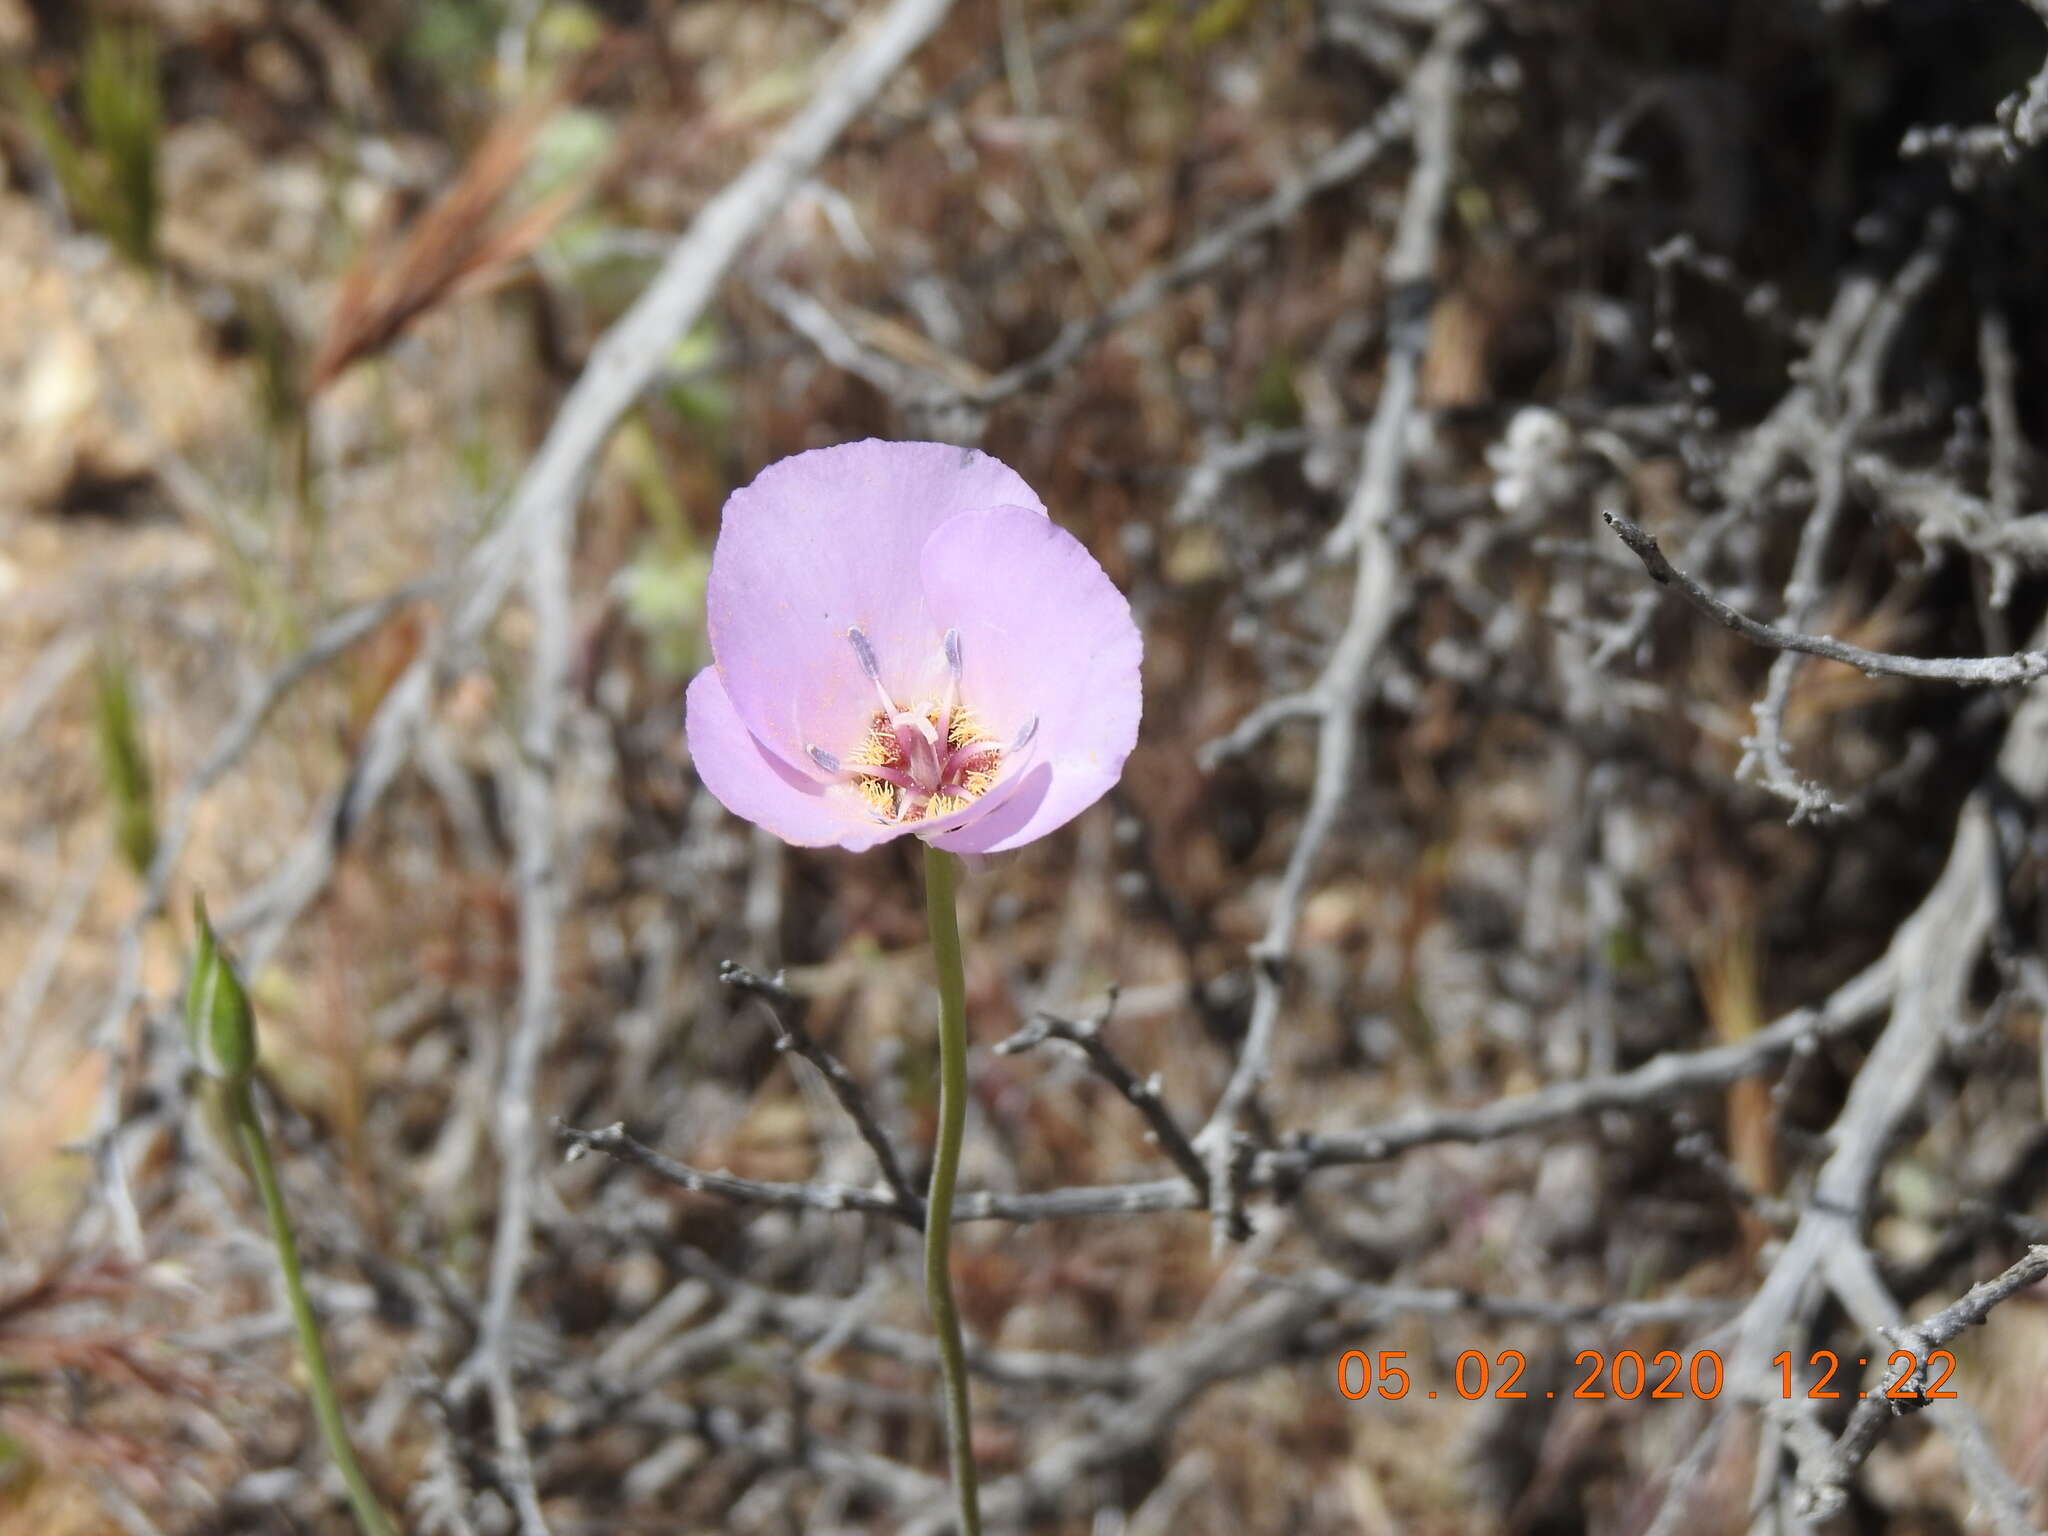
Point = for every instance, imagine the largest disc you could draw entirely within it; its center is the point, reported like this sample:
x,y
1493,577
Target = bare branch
x,y
1652,1084
1970,1309
1932,957
1253,1340
1344,160
815,1319
1206,479
2021,123
613,1141
1143,1093
1819,421
1448,1301
537,835
1259,722
1433,92
1875,1414
790,1035
1280,1170
1970,671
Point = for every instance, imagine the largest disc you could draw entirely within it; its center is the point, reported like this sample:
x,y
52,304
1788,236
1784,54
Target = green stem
x,y
938,1212
326,1401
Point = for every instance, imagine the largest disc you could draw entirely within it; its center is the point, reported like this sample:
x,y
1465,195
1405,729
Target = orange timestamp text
x,y
1628,1374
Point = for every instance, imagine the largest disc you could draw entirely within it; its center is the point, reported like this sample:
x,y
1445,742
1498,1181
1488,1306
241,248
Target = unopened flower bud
x,y
218,1020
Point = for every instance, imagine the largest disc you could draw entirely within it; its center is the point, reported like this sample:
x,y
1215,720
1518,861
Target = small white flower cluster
x,y
1532,463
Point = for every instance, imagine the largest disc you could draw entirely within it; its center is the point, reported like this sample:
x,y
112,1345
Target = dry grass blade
x,y
69,1361
465,243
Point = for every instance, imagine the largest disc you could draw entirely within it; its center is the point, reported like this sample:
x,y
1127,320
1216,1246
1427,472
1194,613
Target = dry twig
x,y
1433,93
1143,1093
1970,671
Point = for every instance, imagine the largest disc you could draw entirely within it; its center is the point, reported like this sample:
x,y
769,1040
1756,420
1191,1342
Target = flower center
x,y
922,762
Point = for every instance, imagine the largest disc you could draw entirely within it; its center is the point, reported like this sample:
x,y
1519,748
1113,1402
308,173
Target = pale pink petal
x,y
1047,644
757,785
826,541
1008,817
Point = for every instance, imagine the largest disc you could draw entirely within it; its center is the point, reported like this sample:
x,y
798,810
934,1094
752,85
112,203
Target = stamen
x,y
879,767
823,759
866,653
880,795
967,742
952,699
879,745
964,729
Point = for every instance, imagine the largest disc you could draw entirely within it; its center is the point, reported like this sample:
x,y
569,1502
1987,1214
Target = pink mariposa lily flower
x,y
903,641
